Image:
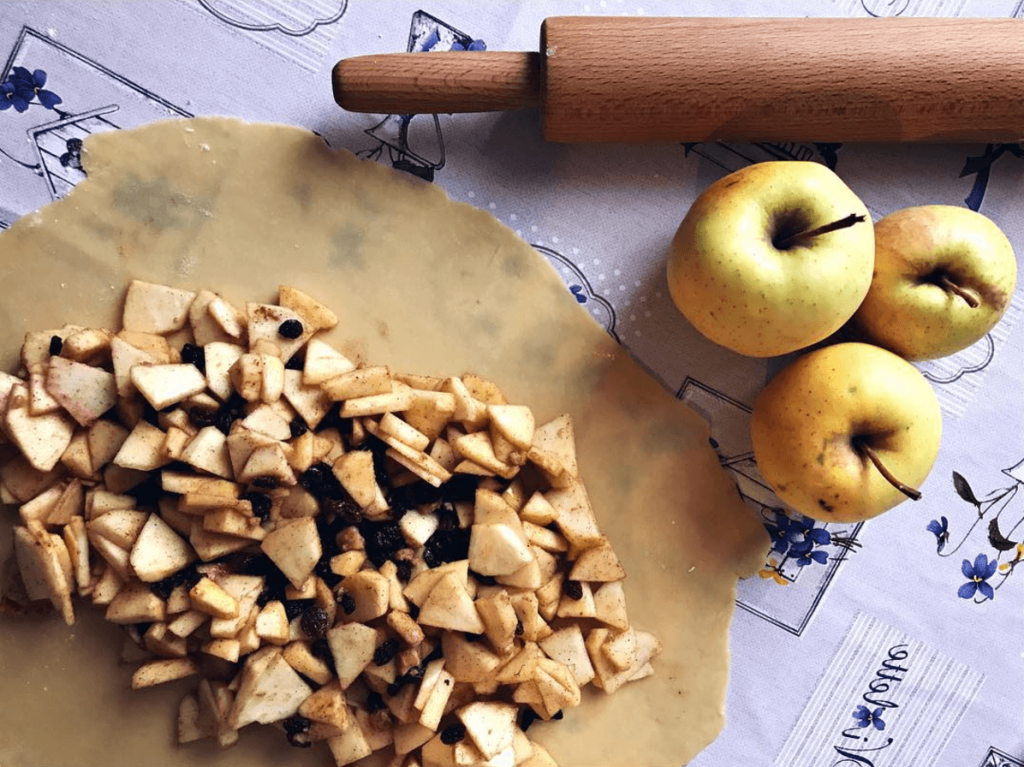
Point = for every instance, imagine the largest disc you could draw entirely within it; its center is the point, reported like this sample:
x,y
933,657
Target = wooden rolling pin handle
x,y
677,79
445,81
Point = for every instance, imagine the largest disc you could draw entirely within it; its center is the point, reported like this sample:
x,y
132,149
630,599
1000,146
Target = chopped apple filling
x,y
381,561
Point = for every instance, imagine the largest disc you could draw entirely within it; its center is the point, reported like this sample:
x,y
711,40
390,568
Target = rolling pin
x,y
617,79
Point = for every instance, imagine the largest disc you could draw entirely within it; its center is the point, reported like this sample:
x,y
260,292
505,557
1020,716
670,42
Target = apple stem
x,y
842,223
907,490
952,287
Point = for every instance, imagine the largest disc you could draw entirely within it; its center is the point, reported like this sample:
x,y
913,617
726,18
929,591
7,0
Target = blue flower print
x,y
577,290
783,532
977,576
475,45
31,84
811,556
866,718
941,532
12,96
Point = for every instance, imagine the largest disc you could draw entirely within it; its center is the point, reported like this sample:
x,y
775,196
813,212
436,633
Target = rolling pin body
x,y
619,79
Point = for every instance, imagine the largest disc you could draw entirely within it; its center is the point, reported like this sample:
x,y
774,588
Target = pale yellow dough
x,y
421,284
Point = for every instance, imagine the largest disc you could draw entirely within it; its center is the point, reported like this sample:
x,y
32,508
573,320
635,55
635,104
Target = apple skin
x,y
917,318
805,420
730,281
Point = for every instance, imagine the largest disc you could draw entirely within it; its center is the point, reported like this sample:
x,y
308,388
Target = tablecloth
x,y
856,645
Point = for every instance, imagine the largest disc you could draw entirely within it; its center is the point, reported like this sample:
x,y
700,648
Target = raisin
x,y
519,627
293,608
383,540
187,577
296,729
414,611
461,487
484,580
348,604
295,363
573,589
201,417
404,567
557,716
526,718
314,622
56,345
321,649
194,355
267,482
325,573
374,702
148,492
298,426
261,504
319,480
447,517
290,329
344,509
386,652
453,733
446,546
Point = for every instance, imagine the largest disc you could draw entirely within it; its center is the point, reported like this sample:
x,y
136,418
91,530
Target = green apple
x,y
846,432
943,278
772,258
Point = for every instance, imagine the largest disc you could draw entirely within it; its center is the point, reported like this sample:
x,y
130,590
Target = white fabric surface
x,y
604,215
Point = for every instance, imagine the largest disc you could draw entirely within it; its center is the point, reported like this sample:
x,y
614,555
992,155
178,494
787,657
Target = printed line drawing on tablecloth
x,y
300,32
599,307
805,554
427,33
989,570
980,166
997,758
73,97
885,698
732,157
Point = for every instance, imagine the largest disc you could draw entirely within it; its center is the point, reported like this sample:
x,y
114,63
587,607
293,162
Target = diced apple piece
x,y
191,726
352,645
568,648
220,358
430,411
135,603
107,586
314,314
610,605
422,583
539,757
29,554
309,400
513,422
84,391
554,449
469,411
499,617
576,519
161,671
497,550
598,564
362,382
620,649
273,379
272,623
143,448
40,401
489,724
41,439
294,546
394,401
265,320
354,470
608,678
410,736
265,420
299,656
159,551
267,461
371,593
478,449
437,753
232,522
323,363
105,439
449,606
150,308
393,426
208,451
434,707
349,747
417,527
155,345
125,357
270,690
208,597
41,507
230,319
119,526
578,608
166,385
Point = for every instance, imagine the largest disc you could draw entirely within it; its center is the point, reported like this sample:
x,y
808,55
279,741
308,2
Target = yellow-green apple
x,y
772,258
846,432
943,278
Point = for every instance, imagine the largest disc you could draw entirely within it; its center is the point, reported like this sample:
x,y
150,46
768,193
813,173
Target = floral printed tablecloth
x,y
896,642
